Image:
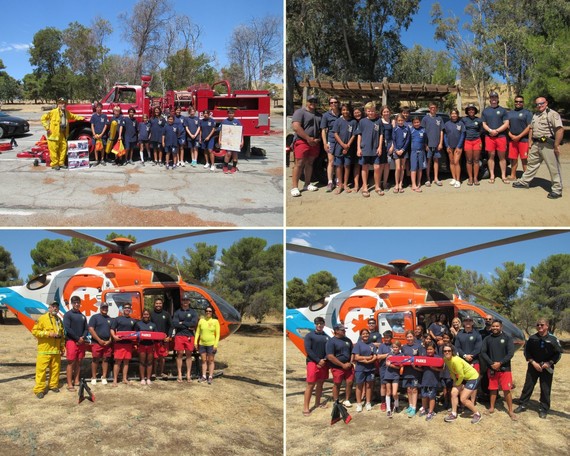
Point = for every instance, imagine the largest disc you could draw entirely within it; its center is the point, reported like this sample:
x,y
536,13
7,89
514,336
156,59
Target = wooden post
x,y
458,98
384,91
305,92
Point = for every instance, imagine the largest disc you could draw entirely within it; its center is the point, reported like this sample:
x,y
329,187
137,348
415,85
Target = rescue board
x,y
141,335
418,361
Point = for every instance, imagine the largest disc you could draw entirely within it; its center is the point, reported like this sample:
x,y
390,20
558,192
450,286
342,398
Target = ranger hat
x,y
471,106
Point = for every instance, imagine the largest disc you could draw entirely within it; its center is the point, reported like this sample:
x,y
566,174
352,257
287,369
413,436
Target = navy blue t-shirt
x,y
142,326
416,349
101,325
345,129
315,346
519,119
401,138
454,134
363,349
472,127
433,127
170,135
418,139
185,322
144,131
207,125
370,132
339,347
469,343
192,123
494,117
179,122
75,325
99,122
388,130
130,130
122,323
157,128
327,121
430,377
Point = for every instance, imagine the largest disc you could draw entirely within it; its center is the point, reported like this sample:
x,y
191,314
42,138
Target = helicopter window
x,y
318,305
227,310
198,303
38,282
392,321
120,299
478,320
433,295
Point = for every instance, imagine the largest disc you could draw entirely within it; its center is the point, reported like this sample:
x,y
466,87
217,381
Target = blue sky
x,y
387,245
20,242
217,19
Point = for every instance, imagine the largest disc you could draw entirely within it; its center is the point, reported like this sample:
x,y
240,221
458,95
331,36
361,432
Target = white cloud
x,y
300,241
330,248
6,47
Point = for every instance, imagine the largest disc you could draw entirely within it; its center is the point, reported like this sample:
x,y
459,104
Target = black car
x,y
12,126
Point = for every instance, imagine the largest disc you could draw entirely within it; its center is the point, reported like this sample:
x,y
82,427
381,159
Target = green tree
x,y
9,274
10,88
235,75
200,262
366,272
46,57
549,286
33,87
50,253
321,284
248,268
525,313
183,68
297,294
505,286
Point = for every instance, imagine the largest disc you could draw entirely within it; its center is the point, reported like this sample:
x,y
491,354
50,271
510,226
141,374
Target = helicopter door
x,y
170,298
395,322
199,303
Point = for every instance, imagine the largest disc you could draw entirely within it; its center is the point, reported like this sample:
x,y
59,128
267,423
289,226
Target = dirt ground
x,y
493,205
240,413
372,431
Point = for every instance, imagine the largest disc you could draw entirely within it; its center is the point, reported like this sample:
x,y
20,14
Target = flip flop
x,y
396,190
179,379
469,183
477,183
506,180
417,190
71,388
438,183
380,192
401,190
365,193
323,405
492,181
347,190
338,190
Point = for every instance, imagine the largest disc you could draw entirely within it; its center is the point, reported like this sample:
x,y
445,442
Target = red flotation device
x,y
418,361
141,335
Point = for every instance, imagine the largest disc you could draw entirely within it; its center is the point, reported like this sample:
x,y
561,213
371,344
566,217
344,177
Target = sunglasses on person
x,y
208,311
540,104
447,351
539,325
333,102
519,101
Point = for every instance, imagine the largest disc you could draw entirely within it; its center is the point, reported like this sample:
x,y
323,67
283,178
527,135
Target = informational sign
x,y
78,154
231,137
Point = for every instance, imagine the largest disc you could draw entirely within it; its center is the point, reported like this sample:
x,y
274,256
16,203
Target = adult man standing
x,y
49,332
519,127
56,122
163,323
495,125
102,348
433,125
184,321
123,349
327,135
306,144
546,132
485,332
542,351
497,351
339,355
468,343
76,330
317,367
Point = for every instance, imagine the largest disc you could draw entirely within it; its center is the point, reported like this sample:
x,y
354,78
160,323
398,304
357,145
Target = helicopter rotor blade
x,y
338,256
86,237
486,245
68,265
141,245
164,265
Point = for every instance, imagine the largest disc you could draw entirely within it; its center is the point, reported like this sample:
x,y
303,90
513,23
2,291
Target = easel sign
x,y
231,137
78,154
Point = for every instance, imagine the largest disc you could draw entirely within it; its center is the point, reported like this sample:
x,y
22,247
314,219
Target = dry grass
x,y
241,413
372,431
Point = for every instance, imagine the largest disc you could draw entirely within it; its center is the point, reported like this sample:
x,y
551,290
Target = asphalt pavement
x,y
137,196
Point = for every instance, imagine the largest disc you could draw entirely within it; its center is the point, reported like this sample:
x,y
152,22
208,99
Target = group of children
x,y
361,139
169,135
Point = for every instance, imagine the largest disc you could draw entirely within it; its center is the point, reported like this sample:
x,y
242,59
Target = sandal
x,y
179,379
380,192
476,183
310,188
492,181
347,190
418,190
295,192
438,183
365,193
338,190
428,184
470,183
396,190
71,388
506,180
401,190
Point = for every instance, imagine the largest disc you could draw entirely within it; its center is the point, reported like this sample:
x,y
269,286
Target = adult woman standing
x,y
145,348
454,136
207,338
472,145
465,381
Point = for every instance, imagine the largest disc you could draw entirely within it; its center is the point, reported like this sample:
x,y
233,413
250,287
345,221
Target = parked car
x,y
12,126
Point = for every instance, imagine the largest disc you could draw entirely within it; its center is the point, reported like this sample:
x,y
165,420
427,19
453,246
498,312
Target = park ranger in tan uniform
x,y
546,134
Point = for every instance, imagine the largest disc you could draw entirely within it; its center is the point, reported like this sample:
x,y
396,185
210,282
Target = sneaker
x,y
93,381
389,414
542,414
520,409
182,164
457,184
104,163
40,395
209,380
359,408
63,167
368,406
383,407
234,170
160,164
422,412
311,188
430,416
193,164
213,168
453,181
476,418
396,409
225,169
295,192
95,164
148,382
450,418
142,163
329,187
202,379
412,413
347,403
103,381
143,382
206,166
408,410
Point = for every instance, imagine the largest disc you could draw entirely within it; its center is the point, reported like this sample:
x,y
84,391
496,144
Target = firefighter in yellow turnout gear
x,y
56,122
49,332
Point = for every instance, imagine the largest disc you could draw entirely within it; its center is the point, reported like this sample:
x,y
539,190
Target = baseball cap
x,y
312,98
55,303
467,318
339,326
493,94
